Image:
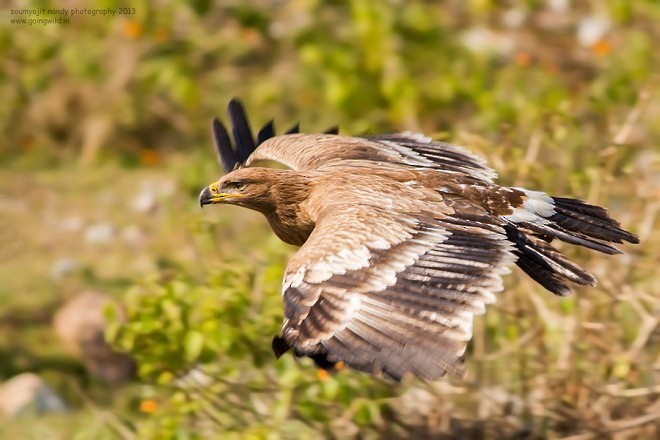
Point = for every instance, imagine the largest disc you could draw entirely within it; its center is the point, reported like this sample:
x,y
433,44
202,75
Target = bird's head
x,y
255,188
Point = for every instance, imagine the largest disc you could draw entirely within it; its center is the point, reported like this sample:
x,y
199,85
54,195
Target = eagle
x,y
403,240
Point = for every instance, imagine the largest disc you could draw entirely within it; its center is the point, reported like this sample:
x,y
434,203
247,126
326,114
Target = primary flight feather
x,y
403,240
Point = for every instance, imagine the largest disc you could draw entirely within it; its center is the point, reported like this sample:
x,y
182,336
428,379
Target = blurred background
x,y
127,312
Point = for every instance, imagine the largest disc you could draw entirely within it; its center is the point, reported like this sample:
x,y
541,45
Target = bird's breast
x,y
293,231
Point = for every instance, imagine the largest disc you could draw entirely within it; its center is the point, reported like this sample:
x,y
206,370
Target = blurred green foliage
x,y
95,108
152,80
196,341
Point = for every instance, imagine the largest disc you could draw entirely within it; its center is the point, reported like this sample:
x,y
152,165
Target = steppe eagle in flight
x,y
403,240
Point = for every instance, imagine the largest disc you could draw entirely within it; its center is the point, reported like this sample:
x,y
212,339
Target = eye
x,y
237,185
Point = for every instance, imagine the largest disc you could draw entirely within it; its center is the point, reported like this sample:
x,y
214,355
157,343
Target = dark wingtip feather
x,y
266,132
321,361
223,148
294,129
279,346
241,129
231,156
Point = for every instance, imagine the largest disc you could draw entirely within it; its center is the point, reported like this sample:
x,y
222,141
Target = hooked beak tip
x,y
205,197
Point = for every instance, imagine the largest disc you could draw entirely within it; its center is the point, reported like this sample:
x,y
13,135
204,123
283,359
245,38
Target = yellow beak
x,y
211,194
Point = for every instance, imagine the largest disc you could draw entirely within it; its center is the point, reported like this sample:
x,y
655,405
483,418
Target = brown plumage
x,y
403,240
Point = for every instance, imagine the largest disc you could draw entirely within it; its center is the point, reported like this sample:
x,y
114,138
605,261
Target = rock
x,y
480,39
592,29
99,233
418,400
195,378
498,401
515,17
72,223
150,194
146,201
133,236
28,393
80,324
63,267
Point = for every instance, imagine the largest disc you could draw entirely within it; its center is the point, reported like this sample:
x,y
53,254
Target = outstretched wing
x,y
304,152
390,291
311,151
441,155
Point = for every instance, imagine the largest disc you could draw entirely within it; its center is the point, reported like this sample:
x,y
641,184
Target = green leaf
x,y
172,310
193,345
621,367
112,331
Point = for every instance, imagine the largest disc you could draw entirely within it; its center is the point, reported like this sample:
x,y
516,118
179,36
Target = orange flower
x,y
323,375
162,34
523,59
148,406
602,47
132,29
149,157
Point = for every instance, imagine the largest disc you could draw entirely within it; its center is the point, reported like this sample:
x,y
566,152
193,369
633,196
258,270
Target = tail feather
x,y
571,237
592,221
542,274
539,257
